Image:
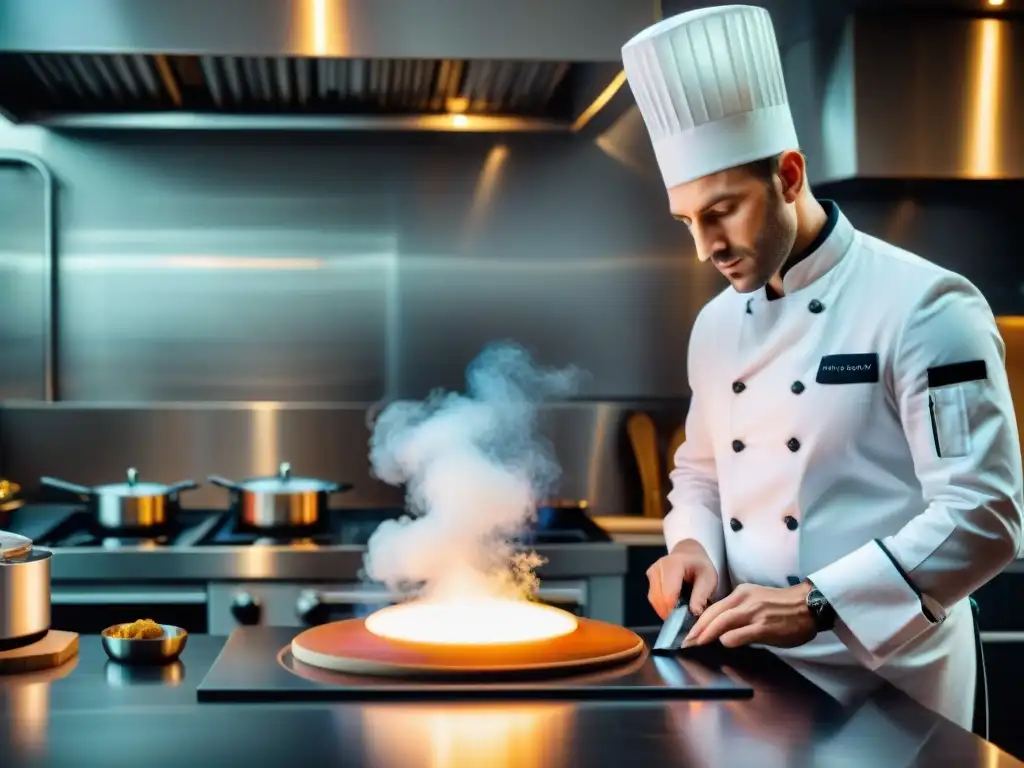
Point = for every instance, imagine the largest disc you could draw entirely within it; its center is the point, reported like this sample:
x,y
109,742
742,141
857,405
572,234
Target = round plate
x,y
349,647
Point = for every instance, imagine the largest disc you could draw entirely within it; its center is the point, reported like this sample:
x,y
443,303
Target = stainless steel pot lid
x,y
15,548
129,489
132,487
285,482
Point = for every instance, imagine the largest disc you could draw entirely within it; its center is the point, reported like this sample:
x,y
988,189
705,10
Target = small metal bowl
x,y
159,650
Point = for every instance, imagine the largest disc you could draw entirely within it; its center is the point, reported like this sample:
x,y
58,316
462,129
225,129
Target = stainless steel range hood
x,y
316,64
911,96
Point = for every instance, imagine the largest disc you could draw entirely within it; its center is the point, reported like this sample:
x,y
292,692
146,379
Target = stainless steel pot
x,y
127,505
280,501
24,591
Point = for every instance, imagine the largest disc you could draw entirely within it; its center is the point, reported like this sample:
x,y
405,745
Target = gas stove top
x,y
66,527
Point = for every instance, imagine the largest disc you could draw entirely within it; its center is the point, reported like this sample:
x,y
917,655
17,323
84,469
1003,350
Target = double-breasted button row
x,y
815,307
790,521
793,444
797,387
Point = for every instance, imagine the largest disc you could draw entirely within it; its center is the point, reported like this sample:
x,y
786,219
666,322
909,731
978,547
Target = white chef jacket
x,y
857,431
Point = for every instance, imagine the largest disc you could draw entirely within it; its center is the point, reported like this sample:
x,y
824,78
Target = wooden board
x,y
348,646
52,651
644,438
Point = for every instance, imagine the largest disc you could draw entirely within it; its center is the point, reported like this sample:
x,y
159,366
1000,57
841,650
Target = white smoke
x,y
474,466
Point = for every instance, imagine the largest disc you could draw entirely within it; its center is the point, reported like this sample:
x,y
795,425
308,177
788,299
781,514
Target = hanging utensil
x,y
644,439
280,501
677,439
128,505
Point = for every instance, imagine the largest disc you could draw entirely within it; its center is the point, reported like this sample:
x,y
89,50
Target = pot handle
x,y
223,482
184,485
338,487
78,490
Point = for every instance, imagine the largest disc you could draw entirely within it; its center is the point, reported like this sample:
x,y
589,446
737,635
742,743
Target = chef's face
x,y
743,220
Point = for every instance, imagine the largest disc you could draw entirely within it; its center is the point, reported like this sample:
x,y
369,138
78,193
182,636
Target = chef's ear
x,y
792,174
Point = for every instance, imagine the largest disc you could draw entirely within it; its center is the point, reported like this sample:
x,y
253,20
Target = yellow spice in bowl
x,y
143,629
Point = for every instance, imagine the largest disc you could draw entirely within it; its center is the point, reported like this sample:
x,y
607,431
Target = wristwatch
x,y
822,612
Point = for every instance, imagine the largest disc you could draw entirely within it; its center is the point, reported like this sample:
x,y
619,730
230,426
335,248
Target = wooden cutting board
x,y
349,647
52,651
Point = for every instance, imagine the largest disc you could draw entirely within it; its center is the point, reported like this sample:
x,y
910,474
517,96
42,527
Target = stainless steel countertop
x,y
93,712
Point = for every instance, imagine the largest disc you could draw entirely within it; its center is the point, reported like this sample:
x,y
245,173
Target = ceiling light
x,y
996,3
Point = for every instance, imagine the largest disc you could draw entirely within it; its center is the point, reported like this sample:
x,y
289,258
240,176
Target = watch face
x,y
820,609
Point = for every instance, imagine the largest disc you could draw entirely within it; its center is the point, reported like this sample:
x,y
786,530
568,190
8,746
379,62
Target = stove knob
x,y
310,608
246,609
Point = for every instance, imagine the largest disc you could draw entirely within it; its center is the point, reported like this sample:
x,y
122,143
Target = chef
x,y
852,468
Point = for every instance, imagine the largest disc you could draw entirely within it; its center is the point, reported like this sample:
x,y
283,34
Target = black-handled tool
x,y
677,625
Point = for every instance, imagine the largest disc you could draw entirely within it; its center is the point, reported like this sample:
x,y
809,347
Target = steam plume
x,y
474,467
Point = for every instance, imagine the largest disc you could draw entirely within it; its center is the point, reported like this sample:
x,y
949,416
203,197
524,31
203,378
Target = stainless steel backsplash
x,y
319,268
94,444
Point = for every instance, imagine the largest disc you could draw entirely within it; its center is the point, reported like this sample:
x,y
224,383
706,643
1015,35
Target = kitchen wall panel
x,y
23,284
310,267
967,226
314,267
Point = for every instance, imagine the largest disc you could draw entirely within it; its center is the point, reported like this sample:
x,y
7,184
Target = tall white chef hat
x,y
710,88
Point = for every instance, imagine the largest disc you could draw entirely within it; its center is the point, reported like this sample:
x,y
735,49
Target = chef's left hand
x,y
755,614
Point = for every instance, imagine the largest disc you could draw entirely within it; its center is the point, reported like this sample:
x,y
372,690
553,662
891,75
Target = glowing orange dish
x,y
484,622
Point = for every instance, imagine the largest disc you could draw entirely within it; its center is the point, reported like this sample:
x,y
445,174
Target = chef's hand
x,y
754,614
689,563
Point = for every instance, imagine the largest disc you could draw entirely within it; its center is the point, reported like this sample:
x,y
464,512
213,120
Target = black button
x,y
793,580
791,522
738,386
816,306
737,445
793,444
749,310
798,387
735,524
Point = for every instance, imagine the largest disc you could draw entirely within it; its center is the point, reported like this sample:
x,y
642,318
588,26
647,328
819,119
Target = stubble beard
x,y
773,245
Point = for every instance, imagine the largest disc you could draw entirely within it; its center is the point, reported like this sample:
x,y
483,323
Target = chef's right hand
x,y
689,563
